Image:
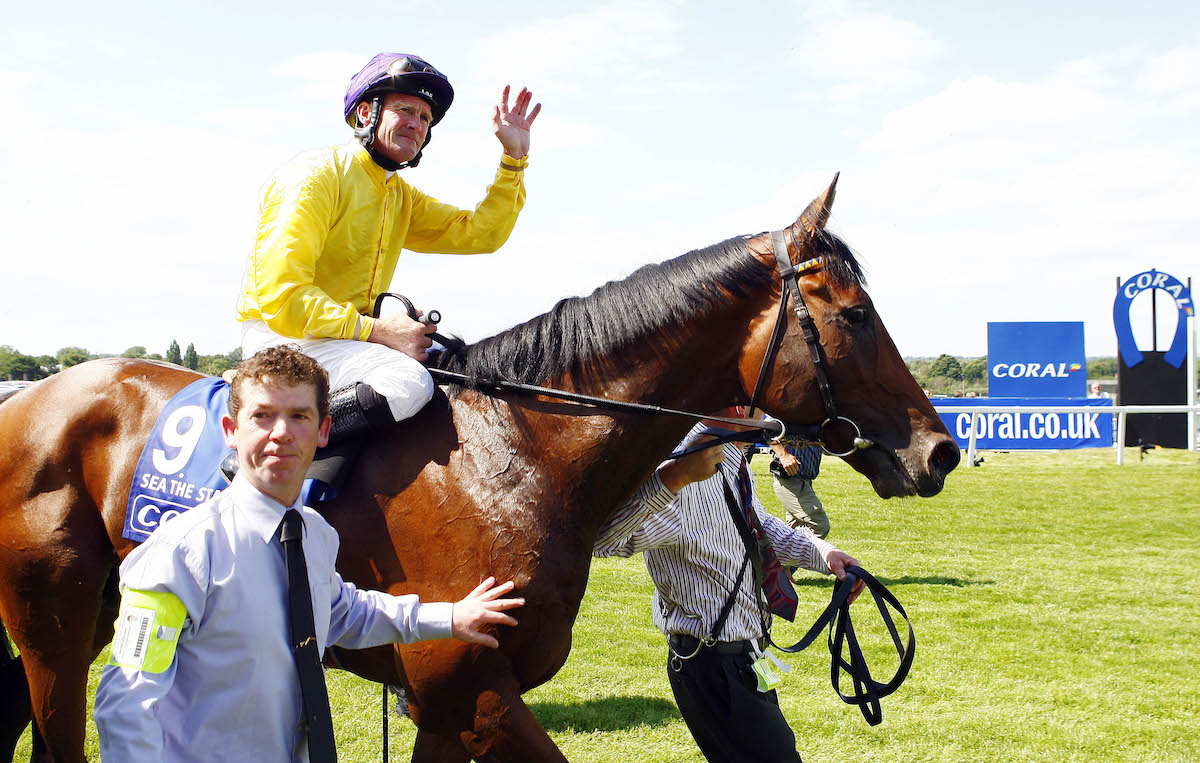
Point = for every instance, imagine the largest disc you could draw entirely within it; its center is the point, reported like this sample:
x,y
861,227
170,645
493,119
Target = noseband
x,y
789,276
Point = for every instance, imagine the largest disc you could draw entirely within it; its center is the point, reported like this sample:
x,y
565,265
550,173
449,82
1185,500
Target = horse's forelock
x,y
841,266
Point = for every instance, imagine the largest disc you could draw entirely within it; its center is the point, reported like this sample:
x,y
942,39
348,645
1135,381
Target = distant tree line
x,y
943,374
948,374
17,365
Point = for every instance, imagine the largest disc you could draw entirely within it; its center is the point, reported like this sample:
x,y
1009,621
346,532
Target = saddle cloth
x,y
180,465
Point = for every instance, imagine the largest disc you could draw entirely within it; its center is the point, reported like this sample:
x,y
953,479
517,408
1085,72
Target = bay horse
x,y
504,483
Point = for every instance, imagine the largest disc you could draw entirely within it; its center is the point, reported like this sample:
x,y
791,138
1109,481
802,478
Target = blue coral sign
x,y
1036,359
1152,279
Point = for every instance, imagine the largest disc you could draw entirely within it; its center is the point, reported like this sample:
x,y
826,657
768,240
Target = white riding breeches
x,y
403,381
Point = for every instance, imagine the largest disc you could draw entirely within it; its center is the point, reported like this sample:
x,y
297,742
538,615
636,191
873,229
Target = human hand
x,y
838,561
512,125
789,463
701,465
404,334
481,607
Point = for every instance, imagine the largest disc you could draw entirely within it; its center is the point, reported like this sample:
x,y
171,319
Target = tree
x,y
190,358
946,366
137,351
72,356
173,355
215,365
919,368
975,370
17,365
7,353
1102,368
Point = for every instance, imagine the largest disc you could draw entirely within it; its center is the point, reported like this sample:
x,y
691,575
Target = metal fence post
x,y
971,441
1121,437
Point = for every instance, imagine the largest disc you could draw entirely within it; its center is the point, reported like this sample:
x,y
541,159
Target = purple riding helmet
x,y
395,73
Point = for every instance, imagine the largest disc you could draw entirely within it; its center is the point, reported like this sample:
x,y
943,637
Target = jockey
x,y
333,222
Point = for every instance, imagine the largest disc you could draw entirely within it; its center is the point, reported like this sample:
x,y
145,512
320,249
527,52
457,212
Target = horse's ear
x,y
814,218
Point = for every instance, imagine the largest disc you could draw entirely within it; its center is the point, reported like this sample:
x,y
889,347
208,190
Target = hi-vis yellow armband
x,y
147,630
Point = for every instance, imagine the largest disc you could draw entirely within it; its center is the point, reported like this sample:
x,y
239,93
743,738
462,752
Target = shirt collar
x,y
263,513
377,173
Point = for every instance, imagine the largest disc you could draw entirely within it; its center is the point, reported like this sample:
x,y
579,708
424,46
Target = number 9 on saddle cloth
x,y
185,460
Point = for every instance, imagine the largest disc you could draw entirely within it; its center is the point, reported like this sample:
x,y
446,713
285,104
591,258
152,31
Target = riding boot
x,y
357,409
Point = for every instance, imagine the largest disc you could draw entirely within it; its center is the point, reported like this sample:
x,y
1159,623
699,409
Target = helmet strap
x,y
366,133
366,136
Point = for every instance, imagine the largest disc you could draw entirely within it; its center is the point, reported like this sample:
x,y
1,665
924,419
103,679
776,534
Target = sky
x,y
999,161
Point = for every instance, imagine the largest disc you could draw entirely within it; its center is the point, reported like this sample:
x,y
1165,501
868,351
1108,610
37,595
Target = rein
x,y
762,431
768,430
836,616
867,691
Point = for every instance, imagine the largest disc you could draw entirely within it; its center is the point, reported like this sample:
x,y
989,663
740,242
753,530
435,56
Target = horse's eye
x,y
856,315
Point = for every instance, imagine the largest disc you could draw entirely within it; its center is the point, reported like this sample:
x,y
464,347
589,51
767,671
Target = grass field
x,y
1055,596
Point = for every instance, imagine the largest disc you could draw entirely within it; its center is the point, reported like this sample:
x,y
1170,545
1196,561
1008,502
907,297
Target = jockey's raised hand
x,y
512,125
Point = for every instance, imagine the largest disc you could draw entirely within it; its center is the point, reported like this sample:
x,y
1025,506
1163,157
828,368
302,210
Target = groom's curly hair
x,y
286,365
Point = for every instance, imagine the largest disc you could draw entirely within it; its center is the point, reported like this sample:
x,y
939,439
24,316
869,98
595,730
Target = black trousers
x,y
729,718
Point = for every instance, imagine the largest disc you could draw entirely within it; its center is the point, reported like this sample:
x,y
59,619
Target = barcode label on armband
x,y
133,636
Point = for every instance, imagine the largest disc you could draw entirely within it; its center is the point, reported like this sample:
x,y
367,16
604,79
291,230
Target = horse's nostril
x,y
944,457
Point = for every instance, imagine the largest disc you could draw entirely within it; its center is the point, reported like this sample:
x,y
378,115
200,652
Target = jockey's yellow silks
x,y
331,228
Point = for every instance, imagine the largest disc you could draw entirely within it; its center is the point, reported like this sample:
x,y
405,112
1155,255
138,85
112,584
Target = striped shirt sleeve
x,y
646,520
795,546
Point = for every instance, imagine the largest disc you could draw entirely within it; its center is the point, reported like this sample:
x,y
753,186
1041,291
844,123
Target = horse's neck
x,y
603,459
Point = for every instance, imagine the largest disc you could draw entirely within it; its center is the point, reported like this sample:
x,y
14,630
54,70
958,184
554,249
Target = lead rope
x,y
867,691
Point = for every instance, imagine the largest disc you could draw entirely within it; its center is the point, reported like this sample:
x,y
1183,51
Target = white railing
x,y
1119,411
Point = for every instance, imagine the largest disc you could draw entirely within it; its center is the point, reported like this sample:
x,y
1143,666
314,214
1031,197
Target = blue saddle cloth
x,y
180,465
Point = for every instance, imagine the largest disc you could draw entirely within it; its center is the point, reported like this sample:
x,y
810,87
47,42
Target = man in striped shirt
x,y
681,521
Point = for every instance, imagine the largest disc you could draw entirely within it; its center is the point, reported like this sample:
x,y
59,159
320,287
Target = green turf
x,y
1056,599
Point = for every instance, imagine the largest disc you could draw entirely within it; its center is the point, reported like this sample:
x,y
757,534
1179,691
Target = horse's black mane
x,y
655,298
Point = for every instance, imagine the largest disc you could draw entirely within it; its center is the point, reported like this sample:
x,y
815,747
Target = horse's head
x,y
868,384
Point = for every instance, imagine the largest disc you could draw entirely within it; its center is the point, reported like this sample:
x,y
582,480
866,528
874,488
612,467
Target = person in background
x,y
795,468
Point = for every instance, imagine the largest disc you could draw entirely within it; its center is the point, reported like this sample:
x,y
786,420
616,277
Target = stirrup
x,y
229,466
357,409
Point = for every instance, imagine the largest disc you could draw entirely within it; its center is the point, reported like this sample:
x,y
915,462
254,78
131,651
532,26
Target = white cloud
x,y
1173,71
109,49
866,54
618,43
1022,201
321,76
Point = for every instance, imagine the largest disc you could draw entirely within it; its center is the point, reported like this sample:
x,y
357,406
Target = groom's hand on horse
x,y
701,465
481,607
403,334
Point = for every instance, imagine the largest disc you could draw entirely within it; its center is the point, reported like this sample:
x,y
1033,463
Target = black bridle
x,y
789,276
761,430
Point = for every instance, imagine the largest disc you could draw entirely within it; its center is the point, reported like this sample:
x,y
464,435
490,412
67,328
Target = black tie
x,y
321,747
